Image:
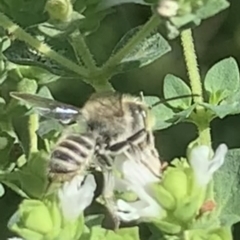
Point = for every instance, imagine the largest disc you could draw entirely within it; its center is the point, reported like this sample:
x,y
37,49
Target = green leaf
x,y
6,144
229,106
211,8
183,115
48,128
222,110
184,20
222,80
161,113
129,233
31,179
45,92
25,13
151,48
227,188
14,187
41,75
176,87
21,125
156,237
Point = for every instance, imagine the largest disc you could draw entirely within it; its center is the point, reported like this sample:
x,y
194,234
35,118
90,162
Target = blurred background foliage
x,y
216,38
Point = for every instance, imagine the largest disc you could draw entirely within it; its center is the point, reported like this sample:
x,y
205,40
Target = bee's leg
x,y
108,196
105,162
123,146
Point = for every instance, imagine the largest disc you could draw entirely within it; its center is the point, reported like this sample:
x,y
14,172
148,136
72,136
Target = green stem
x,y
192,65
43,48
33,126
96,79
113,61
196,85
82,50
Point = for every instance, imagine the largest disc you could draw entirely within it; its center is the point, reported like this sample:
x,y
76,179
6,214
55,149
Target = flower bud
x,y
27,85
223,233
56,216
188,208
163,197
176,182
168,227
214,237
60,10
41,220
38,218
32,220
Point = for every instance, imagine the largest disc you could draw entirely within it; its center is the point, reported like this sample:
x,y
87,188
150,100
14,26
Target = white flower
x,y
76,195
136,177
168,8
203,166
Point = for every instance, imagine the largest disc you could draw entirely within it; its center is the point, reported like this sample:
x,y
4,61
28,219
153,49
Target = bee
x,y
114,124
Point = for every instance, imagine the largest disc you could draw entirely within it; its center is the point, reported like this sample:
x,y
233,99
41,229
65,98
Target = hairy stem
x,y
137,38
82,50
196,84
96,79
33,126
43,48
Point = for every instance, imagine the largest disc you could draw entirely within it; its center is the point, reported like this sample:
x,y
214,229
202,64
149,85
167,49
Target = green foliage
x,y
125,233
58,31
227,73
148,50
161,113
174,87
226,185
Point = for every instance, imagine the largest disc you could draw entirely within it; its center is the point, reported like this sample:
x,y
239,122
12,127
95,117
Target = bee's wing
x,y
49,108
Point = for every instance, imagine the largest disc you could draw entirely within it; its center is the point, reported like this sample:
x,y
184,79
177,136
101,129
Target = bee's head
x,y
142,117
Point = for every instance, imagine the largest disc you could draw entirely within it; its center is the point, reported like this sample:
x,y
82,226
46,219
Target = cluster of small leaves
x,y
24,172
24,70
189,13
222,88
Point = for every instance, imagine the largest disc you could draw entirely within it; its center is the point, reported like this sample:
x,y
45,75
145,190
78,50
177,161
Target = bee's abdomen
x,y
72,153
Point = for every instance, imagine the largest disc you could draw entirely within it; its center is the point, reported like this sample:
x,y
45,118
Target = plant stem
x,y
33,126
192,65
82,50
196,84
98,81
43,48
113,61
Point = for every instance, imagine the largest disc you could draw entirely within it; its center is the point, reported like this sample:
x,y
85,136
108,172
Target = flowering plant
x,y
46,42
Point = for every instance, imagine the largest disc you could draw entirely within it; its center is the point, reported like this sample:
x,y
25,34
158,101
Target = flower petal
x,y
126,212
75,196
139,209
134,171
203,166
218,158
168,8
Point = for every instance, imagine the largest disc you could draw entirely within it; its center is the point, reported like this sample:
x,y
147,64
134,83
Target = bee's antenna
x,y
161,101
